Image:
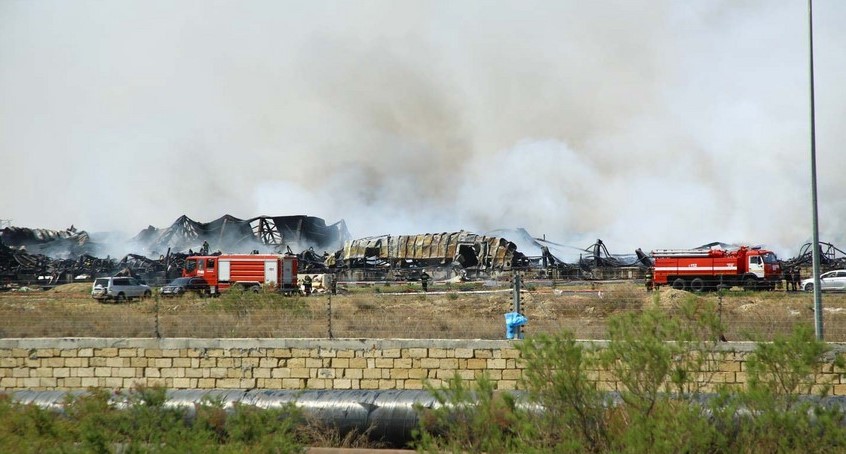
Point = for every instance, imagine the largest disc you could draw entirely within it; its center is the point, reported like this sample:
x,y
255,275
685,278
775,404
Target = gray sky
x,y
648,123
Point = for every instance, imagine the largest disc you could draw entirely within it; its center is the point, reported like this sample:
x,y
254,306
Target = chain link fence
x,y
464,311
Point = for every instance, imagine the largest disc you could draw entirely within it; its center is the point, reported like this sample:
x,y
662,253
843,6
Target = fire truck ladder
x,y
681,252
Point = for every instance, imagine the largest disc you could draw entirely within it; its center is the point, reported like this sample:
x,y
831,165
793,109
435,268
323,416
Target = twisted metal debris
x,y
49,257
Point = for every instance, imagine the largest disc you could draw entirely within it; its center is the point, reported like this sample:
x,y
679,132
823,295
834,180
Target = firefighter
x,y
796,277
648,278
205,249
788,279
333,284
307,285
424,280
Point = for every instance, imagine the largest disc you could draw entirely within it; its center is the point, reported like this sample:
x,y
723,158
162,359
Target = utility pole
x,y
818,324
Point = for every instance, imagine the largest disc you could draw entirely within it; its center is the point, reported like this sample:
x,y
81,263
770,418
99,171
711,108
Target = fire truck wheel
x,y
750,283
697,285
678,284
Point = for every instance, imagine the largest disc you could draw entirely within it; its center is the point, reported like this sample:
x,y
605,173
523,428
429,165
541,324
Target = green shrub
x,y
653,353
781,374
269,430
28,428
556,377
466,419
139,421
788,366
664,363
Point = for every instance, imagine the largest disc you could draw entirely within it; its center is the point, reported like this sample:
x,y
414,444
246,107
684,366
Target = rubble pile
x,y
47,257
830,257
17,266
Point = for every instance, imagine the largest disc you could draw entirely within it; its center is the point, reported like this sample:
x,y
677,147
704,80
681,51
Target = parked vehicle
x,y
248,271
183,285
832,280
119,288
709,269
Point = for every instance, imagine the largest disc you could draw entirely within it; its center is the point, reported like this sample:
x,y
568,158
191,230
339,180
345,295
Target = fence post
x,y
329,315
158,334
516,292
518,307
720,314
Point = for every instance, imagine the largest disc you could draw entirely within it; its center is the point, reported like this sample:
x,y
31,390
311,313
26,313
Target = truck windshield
x,y
770,258
190,266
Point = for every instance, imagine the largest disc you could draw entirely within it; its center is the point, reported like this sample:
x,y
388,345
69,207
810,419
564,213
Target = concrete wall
x,y
80,363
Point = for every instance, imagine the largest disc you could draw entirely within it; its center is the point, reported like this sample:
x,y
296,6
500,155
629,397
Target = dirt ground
x,y
399,311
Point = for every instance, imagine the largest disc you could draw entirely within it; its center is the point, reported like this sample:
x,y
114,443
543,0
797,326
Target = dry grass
x,y
397,311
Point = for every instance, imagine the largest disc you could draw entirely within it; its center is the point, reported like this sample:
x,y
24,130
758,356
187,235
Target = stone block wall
x,y
293,364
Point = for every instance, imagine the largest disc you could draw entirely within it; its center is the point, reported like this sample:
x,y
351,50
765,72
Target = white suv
x,y
119,289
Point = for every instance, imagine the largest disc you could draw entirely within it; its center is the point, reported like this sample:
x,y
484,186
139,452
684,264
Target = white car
x,y
119,289
832,280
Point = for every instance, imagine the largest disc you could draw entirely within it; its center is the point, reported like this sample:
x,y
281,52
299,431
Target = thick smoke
x,y
648,124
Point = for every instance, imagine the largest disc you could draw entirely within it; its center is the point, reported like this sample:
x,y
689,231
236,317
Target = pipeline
x,y
386,415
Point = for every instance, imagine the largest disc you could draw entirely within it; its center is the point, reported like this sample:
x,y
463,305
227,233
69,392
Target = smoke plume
x,y
649,124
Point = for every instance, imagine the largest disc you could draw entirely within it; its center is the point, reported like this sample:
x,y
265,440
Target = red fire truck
x,y
711,269
250,271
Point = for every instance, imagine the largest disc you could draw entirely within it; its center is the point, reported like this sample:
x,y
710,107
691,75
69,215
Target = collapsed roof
x,y
27,254
68,243
234,235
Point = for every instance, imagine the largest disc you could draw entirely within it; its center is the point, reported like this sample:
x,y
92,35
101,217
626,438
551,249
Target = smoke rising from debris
x,y
648,124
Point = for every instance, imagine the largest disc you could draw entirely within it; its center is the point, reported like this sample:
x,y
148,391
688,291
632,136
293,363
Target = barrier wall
x,y
342,364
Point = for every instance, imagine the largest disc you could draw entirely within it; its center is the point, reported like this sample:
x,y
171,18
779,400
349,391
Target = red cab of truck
x,y
711,269
250,271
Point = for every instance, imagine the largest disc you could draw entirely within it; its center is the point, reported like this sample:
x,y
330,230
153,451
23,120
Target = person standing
x,y
796,277
424,280
307,285
333,284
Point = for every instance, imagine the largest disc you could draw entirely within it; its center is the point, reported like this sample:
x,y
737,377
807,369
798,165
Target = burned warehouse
x,y
403,256
49,257
45,257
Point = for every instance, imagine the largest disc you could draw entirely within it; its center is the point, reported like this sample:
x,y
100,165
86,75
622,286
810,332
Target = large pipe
x,y
387,415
